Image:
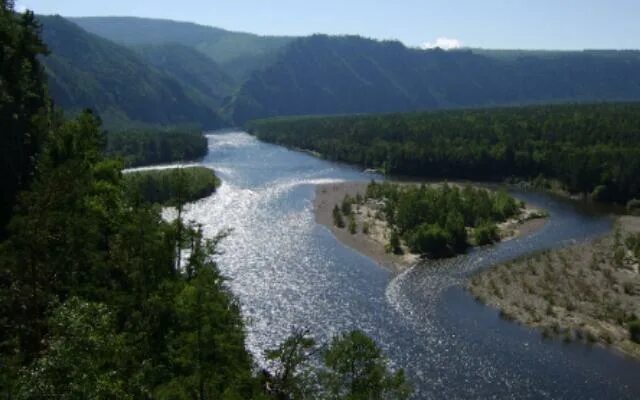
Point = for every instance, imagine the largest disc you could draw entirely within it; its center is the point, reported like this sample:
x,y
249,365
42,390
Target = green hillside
x,y
202,76
237,53
332,75
86,71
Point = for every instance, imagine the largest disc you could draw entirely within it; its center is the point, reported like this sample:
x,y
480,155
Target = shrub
x,y
394,243
431,240
486,233
634,331
337,217
353,227
347,202
633,207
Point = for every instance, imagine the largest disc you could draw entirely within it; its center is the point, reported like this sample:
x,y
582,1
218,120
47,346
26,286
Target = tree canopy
x,y
591,149
25,109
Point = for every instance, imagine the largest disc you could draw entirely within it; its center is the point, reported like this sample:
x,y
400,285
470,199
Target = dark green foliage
x,y
347,203
206,349
127,318
85,357
431,240
337,217
352,368
485,233
353,227
357,370
291,377
394,245
163,186
633,206
24,105
195,71
86,71
634,330
349,74
156,146
582,146
237,53
433,220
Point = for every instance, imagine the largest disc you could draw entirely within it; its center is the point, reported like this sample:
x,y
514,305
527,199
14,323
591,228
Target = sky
x,y
496,24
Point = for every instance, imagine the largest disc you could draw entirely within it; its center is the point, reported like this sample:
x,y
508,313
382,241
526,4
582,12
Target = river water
x,y
289,271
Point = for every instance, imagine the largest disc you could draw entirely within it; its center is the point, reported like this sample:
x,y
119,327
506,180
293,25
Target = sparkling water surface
x,y
289,271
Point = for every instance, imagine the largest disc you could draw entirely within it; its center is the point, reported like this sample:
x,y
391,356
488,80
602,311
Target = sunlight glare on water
x,y
286,270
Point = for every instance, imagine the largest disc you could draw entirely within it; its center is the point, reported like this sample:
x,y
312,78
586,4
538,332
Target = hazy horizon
x,y
497,25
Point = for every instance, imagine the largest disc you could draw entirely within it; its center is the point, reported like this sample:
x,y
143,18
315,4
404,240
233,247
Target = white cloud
x,y
443,43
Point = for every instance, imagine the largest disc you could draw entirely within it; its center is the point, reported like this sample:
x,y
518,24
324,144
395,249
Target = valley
x,y
318,210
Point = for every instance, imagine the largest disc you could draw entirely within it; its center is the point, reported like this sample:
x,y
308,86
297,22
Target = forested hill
x,y
592,149
334,75
86,71
198,73
250,76
237,53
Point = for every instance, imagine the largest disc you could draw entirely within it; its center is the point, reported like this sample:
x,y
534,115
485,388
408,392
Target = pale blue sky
x,y
527,24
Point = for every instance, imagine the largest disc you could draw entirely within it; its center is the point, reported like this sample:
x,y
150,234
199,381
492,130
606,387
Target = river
x,y
287,271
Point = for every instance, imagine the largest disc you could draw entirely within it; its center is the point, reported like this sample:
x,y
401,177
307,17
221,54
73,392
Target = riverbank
x,y
586,292
372,242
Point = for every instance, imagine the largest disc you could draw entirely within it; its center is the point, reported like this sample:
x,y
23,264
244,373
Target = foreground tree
x,y
83,359
357,370
25,108
350,367
292,378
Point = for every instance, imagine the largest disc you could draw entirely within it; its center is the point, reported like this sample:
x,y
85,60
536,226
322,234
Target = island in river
x,y
372,232
587,292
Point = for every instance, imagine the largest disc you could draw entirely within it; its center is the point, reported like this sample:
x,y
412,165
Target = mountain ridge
x,y
87,71
324,74
238,53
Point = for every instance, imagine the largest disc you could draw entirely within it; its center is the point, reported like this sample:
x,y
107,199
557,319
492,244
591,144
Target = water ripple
x,y
286,270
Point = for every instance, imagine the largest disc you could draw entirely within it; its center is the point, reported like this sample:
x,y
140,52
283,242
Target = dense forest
x,y
592,149
25,109
87,71
171,186
195,71
144,146
338,75
100,298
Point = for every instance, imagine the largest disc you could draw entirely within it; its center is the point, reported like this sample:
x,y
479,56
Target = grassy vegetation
x,y
588,292
172,186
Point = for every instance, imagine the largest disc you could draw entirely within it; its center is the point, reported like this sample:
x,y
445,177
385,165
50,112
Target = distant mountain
x,y
201,75
189,69
334,75
237,53
88,71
